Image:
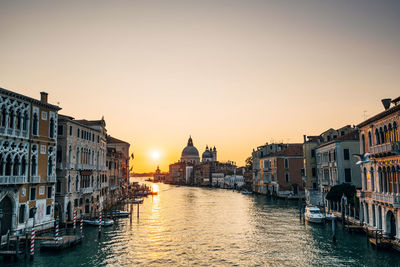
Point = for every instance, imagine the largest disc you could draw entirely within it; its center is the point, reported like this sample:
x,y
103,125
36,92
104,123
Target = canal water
x,y
189,226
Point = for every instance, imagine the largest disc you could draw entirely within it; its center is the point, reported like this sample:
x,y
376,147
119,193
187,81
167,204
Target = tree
x,y
249,163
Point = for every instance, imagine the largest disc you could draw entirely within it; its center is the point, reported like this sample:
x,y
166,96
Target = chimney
x,y
304,137
43,97
386,103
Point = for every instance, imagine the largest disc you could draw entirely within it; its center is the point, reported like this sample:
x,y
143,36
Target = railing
x,y
34,179
9,180
387,198
324,164
51,179
80,166
104,185
324,181
13,132
70,166
87,190
392,147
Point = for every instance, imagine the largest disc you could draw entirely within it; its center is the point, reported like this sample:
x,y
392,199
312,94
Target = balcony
x,y
103,185
35,179
386,149
13,180
85,167
324,164
387,198
14,132
59,165
70,166
87,190
51,179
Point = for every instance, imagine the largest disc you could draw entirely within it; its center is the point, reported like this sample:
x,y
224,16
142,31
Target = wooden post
x,y
131,209
138,210
26,244
16,249
333,230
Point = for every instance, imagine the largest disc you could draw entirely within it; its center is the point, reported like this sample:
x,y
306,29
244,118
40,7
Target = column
x,y
397,179
361,213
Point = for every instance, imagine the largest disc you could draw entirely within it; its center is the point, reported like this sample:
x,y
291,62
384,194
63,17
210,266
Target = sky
x,y
232,74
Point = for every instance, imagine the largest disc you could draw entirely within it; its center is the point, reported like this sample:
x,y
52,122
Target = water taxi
x,y
313,214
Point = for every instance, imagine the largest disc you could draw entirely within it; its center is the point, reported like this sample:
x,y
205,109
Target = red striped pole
x,y
74,221
100,219
32,243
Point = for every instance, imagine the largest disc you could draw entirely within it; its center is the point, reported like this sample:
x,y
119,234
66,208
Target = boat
x,y
120,213
95,222
313,214
245,192
137,201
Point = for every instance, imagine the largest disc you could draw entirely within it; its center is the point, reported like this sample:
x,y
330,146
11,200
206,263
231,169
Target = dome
x,y
190,150
207,154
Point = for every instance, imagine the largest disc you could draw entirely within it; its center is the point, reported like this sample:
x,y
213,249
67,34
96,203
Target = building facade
x,y
28,139
380,192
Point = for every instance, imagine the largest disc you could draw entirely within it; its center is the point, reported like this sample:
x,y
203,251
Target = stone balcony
x,y
86,190
391,199
14,132
34,179
85,167
13,180
386,149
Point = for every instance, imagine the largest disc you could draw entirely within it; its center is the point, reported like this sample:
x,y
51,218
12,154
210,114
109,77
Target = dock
x,y
61,243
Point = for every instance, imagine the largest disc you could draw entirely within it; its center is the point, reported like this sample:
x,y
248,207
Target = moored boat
x,y
245,192
95,222
120,213
313,214
137,201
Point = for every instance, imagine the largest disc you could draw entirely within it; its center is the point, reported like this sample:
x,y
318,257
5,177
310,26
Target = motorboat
x,y
313,214
245,192
120,213
95,222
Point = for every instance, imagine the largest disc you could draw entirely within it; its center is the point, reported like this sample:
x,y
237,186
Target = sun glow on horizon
x,y
155,154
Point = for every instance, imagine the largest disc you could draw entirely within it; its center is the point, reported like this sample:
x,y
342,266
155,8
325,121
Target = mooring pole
x,y
138,210
333,230
100,220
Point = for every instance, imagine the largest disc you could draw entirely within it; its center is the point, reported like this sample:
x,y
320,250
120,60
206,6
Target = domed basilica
x,y
190,154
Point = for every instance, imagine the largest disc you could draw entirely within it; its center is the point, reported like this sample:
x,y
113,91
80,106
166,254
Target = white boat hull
x,y
314,219
96,222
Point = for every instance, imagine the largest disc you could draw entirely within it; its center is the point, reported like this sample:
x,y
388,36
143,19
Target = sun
x,y
155,155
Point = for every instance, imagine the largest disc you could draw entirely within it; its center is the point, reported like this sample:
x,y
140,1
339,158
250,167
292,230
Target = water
x,y
188,226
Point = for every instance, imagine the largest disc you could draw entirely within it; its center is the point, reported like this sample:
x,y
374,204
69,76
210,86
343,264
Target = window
x,y
21,217
286,163
347,175
33,193
60,130
369,139
50,167
76,203
35,125
314,172
78,132
51,134
49,191
98,139
362,144
58,188
48,210
313,153
287,178
346,154
31,213
70,130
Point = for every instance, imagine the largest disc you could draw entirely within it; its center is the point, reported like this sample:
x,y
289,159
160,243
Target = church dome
x,y
207,154
190,150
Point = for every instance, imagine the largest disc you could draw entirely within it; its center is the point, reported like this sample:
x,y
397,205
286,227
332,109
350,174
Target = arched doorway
x,y
69,211
390,224
6,205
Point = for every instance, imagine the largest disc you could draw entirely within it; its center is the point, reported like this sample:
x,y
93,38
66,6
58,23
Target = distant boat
x,y
245,192
95,222
120,213
313,214
137,201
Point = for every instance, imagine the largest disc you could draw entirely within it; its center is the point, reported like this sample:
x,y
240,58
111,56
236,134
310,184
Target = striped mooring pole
x,y
74,221
57,234
100,219
81,226
32,243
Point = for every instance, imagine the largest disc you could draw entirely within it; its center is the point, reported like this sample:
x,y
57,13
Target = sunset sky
x,y
233,74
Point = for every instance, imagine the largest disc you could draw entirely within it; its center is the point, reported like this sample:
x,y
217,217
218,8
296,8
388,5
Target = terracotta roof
x,y
351,136
111,139
381,115
291,150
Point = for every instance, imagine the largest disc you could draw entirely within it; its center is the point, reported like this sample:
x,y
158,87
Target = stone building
x,y
380,168
28,139
81,167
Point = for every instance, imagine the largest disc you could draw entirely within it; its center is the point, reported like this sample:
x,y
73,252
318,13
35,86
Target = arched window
x,y
16,166
386,134
18,119
77,183
25,122
50,167
395,134
365,185
3,117
51,134
369,140
69,183
372,179
23,166
382,136
70,154
377,139
11,119
8,165
35,125
33,165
